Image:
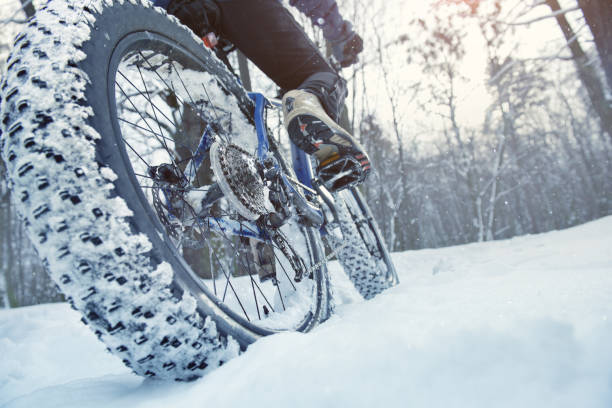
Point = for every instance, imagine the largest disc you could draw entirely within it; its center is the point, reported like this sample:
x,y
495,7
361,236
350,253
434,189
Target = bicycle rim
x,y
162,99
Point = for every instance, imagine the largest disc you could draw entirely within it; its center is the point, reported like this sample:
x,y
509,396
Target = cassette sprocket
x,y
239,175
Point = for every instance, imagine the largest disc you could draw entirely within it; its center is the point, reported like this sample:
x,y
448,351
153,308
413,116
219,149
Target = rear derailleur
x,y
287,194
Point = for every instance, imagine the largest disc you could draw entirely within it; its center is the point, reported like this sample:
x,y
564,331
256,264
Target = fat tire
x,y
370,273
110,261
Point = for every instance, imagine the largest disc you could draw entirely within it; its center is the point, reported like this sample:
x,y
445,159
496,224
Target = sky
x,y
472,94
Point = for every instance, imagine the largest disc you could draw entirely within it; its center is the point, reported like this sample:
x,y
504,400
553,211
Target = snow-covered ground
x,y
525,322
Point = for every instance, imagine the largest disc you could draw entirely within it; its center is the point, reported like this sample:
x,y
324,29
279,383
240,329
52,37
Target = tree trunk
x,y
243,67
598,15
4,241
490,233
10,258
28,8
586,73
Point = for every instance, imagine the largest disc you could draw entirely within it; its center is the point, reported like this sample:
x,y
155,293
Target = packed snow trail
x,y
519,323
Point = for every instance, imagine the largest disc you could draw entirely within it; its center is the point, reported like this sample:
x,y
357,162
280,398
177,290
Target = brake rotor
x,y
240,180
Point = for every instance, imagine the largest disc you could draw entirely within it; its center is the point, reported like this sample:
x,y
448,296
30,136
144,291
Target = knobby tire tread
x,y
66,198
362,268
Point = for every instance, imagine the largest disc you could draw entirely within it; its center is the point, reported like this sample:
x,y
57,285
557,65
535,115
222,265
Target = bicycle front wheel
x,y
364,257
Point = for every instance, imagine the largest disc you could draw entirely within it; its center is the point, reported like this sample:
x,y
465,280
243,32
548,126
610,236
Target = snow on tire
x,y
84,233
361,267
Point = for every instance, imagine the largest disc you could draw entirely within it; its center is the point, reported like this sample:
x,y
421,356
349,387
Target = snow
x,y
517,323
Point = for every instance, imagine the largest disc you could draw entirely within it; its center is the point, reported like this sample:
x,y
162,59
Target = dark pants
x,y
269,36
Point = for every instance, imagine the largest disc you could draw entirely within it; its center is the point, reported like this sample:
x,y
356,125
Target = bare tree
x,y
6,253
598,14
28,8
586,71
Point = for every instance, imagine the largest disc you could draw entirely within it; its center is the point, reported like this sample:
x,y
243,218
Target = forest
x,y
484,119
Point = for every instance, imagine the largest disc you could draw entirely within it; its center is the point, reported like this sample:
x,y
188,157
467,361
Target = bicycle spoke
x,y
166,109
260,291
280,295
264,296
212,272
213,106
253,287
171,87
143,176
183,83
179,99
144,129
232,246
227,276
248,268
136,153
147,97
191,99
285,271
134,107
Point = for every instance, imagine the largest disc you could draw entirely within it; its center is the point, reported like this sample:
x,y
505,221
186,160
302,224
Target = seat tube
x,y
262,135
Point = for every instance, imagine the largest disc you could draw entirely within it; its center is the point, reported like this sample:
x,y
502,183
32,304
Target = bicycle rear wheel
x,y
104,105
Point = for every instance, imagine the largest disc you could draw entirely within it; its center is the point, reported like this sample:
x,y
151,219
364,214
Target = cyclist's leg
x,y
269,36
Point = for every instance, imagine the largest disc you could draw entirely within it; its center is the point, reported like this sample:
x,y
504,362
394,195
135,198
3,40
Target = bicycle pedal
x,y
341,172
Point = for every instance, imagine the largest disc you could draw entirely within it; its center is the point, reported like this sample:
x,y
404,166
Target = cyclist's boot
x,y
343,163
